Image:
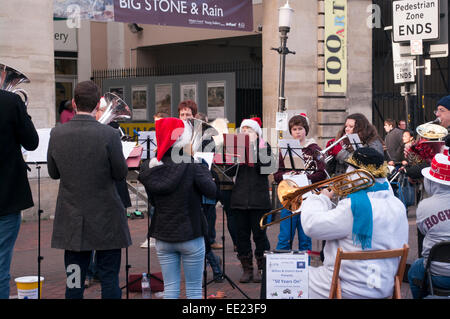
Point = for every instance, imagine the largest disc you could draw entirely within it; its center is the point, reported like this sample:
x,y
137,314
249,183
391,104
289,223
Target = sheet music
x,y
354,140
293,144
208,157
143,141
127,148
40,153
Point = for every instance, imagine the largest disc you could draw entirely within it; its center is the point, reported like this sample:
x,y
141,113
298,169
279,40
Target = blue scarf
x,y
362,215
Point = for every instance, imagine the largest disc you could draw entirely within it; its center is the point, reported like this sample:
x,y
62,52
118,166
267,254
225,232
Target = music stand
x,y
38,157
292,149
232,160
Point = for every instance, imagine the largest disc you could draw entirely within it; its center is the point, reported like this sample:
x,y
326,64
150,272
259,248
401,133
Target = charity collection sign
x,y
415,20
287,275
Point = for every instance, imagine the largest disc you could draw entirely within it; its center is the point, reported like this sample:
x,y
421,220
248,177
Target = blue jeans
x,y
108,268
9,229
287,233
417,272
191,254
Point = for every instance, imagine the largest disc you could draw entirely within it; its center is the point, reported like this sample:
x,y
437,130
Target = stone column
x,y
301,68
26,33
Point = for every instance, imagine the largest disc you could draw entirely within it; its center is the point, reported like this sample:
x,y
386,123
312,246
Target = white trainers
x,y
145,243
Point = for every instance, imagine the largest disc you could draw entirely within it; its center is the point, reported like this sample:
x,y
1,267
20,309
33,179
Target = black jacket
x,y
251,189
16,130
175,190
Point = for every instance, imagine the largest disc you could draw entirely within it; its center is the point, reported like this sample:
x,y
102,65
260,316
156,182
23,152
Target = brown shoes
x,y
216,246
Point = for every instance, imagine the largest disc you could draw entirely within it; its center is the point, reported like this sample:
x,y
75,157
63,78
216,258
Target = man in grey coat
x,y
87,157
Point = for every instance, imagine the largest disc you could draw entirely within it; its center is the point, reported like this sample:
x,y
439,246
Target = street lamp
x,y
284,26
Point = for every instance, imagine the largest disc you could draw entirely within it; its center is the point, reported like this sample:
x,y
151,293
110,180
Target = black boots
x,y
247,267
260,262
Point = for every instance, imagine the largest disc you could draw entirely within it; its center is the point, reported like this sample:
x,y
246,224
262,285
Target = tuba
x,y
115,109
10,78
291,196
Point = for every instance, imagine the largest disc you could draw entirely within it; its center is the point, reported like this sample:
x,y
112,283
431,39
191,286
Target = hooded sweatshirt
x,y
433,220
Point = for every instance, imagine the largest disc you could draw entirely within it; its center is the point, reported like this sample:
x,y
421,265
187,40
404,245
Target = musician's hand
x,y
391,163
327,192
404,163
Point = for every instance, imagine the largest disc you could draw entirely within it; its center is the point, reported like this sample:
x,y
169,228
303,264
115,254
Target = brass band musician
x,y
371,218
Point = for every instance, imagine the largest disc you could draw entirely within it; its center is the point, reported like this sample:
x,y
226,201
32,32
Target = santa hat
x,y
254,123
439,171
170,132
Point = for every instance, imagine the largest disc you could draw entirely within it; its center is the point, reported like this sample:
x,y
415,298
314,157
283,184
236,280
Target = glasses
x,y
440,111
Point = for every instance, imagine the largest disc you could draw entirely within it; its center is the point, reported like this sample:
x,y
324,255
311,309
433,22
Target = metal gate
x,y
387,101
248,80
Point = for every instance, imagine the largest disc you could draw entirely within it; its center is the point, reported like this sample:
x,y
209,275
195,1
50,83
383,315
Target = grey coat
x,y
87,157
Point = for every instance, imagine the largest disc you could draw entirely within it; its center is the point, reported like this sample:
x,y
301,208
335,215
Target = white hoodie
x,y
433,220
359,279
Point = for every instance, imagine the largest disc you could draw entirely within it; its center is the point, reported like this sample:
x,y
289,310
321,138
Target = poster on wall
x,y
139,103
163,98
335,46
216,100
98,10
188,92
117,91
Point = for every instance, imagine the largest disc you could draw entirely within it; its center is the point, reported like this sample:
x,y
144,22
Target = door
x,y
63,92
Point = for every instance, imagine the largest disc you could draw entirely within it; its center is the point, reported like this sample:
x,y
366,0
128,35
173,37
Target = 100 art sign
x,y
335,46
214,14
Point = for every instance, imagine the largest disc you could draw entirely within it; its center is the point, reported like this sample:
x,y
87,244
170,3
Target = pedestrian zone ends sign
x,y
415,20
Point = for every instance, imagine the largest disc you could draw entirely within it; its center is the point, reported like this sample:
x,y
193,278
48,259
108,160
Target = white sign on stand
x,y
287,275
415,20
404,71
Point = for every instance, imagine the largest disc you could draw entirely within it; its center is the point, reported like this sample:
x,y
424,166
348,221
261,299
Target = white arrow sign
x,y
415,20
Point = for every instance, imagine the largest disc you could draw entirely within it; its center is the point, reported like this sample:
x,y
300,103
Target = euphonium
x,y
291,195
432,130
200,131
10,78
115,109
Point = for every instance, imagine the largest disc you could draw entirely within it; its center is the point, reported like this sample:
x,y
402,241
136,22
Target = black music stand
x,y
291,152
40,211
148,141
234,165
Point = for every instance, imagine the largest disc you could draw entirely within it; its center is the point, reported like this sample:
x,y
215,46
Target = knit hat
x,y
439,171
445,102
254,123
371,160
301,120
171,131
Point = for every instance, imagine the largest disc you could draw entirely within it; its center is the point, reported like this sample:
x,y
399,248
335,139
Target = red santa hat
x,y
170,132
254,123
439,171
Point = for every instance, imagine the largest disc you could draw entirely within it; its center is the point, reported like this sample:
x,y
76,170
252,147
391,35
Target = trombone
x,y
324,151
291,195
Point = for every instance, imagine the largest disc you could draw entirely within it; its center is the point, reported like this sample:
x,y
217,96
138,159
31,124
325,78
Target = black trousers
x,y
108,268
247,223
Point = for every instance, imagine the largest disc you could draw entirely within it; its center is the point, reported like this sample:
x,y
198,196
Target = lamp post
x,y
284,26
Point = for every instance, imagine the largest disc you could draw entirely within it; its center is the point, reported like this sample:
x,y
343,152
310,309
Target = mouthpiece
x,y
437,121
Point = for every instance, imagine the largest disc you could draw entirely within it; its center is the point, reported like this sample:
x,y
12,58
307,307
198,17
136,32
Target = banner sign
x,y
335,46
212,14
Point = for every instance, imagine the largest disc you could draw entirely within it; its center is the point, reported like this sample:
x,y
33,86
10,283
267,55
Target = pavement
x,y
25,261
